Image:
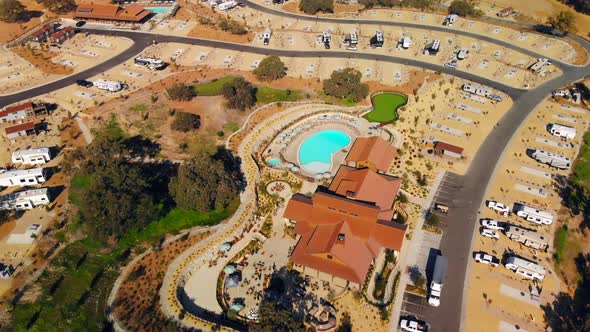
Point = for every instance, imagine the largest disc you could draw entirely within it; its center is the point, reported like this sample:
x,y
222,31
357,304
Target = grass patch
x,y
560,244
77,184
337,101
582,169
213,88
231,127
385,106
266,95
139,108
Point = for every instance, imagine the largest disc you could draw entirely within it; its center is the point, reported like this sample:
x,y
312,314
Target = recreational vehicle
x,y
450,20
326,39
533,215
25,200
527,237
266,36
525,268
438,279
352,41
23,177
151,63
551,159
405,42
562,131
227,5
112,86
462,54
480,90
31,156
432,48
538,66
377,40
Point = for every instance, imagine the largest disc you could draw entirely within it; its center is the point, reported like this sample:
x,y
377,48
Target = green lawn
x,y
264,95
582,170
78,183
385,106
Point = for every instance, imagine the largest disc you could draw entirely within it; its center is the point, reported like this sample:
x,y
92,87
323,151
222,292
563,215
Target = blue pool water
x,y
315,153
159,10
273,162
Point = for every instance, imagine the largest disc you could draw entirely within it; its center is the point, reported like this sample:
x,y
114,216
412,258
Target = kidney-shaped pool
x,y
315,153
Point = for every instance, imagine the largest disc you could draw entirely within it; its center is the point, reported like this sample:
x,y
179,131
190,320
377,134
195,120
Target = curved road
x,y
456,243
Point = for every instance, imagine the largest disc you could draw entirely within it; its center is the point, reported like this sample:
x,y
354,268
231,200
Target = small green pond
x,y
385,106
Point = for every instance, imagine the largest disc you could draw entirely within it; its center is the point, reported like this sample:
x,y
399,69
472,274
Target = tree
x,y
464,8
185,122
205,183
275,318
564,21
313,7
239,94
345,323
582,6
270,68
181,92
346,84
13,11
234,27
60,6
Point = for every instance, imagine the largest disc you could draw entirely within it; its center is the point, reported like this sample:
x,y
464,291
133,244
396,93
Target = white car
x,y
492,224
490,233
499,207
412,324
484,258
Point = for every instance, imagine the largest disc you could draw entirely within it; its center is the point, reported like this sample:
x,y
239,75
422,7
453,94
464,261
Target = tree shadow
x,y
141,147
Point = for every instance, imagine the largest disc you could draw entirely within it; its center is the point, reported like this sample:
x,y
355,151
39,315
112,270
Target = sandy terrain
x,y
518,171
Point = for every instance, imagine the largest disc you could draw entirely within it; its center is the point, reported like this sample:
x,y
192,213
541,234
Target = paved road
x,y
456,243
143,40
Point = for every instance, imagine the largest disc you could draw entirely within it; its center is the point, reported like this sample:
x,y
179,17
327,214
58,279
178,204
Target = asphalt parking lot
x,y
450,184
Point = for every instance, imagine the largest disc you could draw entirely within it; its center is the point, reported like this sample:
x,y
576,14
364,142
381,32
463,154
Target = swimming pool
x,y
315,153
273,162
159,10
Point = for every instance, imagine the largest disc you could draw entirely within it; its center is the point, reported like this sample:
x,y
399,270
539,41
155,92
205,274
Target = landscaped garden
x,y
264,94
385,106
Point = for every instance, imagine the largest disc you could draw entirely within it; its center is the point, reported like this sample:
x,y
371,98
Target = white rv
x,y
533,215
326,39
551,159
525,268
462,54
450,19
538,66
32,156
480,90
433,48
527,237
112,86
23,177
562,131
151,63
405,42
227,5
377,40
25,200
352,41
266,36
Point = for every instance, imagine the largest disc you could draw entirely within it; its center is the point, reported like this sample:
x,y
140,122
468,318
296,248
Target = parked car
x,y
485,258
412,324
85,83
498,207
490,233
80,23
441,208
492,224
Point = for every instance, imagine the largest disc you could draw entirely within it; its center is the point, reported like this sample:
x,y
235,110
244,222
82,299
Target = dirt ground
x,y
41,59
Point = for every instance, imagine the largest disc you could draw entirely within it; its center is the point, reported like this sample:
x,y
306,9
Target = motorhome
x,y
352,41
462,54
151,63
532,214
480,90
377,40
527,237
32,156
405,42
438,278
562,131
266,36
25,200
538,66
326,39
432,48
551,159
112,86
23,177
450,20
525,268
227,5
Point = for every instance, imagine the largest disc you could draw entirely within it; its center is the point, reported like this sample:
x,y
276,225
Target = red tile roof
x,y
448,147
325,217
133,13
61,32
16,108
507,10
20,127
374,150
42,30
